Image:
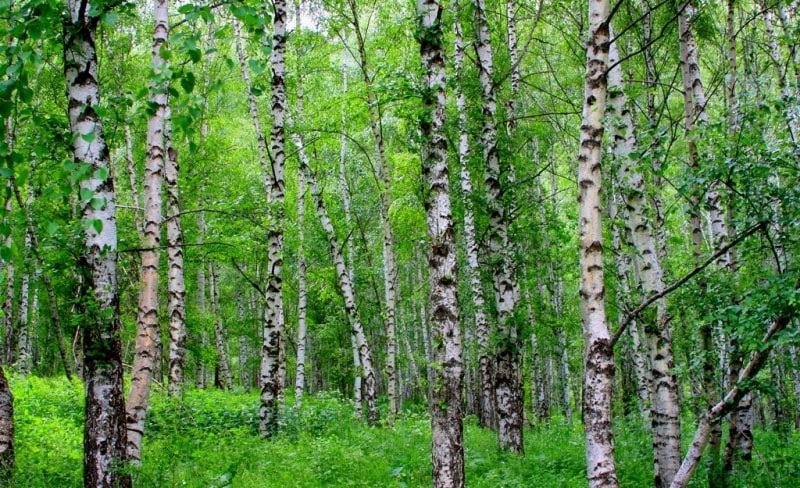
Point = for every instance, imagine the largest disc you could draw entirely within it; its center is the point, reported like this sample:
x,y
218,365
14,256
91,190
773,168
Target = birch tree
x,y
271,386
104,430
7,458
508,386
148,329
599,360
448,371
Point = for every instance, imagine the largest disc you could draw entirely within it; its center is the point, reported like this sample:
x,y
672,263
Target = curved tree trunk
x,y
599,369
104,431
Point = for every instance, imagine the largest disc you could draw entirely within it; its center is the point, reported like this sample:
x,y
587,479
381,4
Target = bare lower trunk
x,y
271,384
300,376
599,365
8,302
345,285
104,429
446,402
220,341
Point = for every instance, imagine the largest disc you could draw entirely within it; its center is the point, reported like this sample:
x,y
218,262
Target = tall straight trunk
x,y
508,387
176,285
665,408
104,429
447,436
271,384
348,219
24,344
244,346
599,367
200,371
302,286
424,322
7,458
220,342
345,285
486,413
147,328
384,179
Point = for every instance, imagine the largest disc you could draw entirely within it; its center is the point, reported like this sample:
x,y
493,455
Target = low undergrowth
x,y
209,439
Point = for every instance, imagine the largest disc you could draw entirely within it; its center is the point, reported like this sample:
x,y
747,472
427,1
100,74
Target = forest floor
x,y
209,439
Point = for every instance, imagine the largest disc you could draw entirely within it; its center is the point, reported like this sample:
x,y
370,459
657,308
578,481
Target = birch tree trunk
x,y
104,429
8,302
487,417
345,284
348,219
665,407
599,367
790,109
271,385
176,286
383,177
508,387
147,329
448,372
200,373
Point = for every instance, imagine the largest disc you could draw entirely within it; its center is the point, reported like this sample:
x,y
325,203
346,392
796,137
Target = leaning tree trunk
x,y
486,414
508,387
383,177
104,430
599,368
664,390
271,385
447,435
147,328
345,284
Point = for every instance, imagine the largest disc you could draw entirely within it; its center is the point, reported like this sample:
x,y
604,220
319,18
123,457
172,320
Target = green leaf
x,y
97,224
100,174
187,82
51,228
6,172
5,253
97,203
88,137
86,194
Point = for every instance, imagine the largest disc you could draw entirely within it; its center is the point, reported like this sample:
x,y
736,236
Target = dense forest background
x,y
401,206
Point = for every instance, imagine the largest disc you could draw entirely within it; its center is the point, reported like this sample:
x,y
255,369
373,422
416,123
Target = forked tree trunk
x,y
104,429
147,327
446,403
486,413
345,285
599,368
271,384
508,386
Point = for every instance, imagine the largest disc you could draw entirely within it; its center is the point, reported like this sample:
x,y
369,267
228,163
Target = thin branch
x,y
247,278
638,310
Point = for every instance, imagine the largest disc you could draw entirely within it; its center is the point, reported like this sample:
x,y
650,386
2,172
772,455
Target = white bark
x,y
147,329
220,342
271,384
383,178
448,369
345,285
508,387
665,406
104,431
599,366
487,406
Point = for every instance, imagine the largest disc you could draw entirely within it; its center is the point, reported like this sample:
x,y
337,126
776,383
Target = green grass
x,y
209,439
